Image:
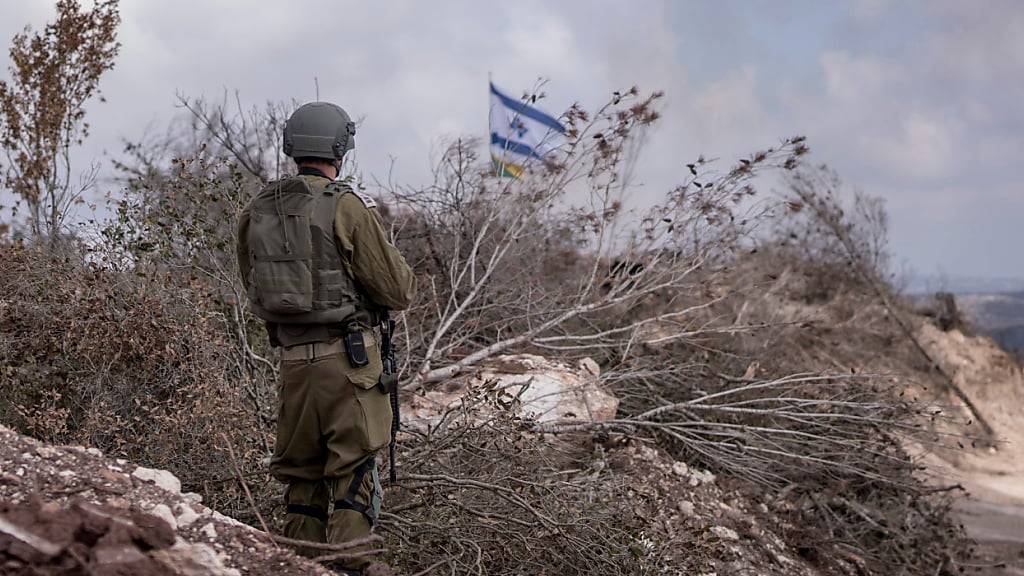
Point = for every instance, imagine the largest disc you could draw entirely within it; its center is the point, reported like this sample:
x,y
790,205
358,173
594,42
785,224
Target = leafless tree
x,y
553,261
859,239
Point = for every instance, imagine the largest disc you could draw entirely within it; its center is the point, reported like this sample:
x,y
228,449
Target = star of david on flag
x,y
520,134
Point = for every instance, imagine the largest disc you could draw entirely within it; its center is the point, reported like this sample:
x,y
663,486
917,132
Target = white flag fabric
x,y
520,134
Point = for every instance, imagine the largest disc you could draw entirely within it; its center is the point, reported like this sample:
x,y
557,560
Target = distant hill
x,y
999,315
966,285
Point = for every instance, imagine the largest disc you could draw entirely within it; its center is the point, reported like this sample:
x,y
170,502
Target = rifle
x,y
389,381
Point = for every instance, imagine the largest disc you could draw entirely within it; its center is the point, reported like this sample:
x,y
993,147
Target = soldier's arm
x,y
373,259
242,247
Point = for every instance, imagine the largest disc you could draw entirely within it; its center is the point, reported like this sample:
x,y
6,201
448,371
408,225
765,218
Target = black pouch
x,y
388,383
355,349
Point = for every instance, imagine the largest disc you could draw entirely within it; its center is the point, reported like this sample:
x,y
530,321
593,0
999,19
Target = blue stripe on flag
x,y
523,110
514,147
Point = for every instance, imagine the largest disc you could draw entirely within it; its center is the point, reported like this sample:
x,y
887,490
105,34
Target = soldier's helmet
x,y
319,130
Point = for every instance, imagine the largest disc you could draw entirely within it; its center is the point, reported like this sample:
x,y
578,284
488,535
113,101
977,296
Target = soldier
x,y
319,269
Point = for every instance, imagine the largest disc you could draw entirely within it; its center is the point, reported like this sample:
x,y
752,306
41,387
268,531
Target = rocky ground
x,y
69,511
738,536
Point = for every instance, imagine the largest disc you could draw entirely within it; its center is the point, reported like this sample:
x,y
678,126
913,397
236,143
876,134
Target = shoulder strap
x,y
343,188
327,201
287,185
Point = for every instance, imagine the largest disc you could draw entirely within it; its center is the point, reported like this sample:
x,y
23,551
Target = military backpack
x,y
296,274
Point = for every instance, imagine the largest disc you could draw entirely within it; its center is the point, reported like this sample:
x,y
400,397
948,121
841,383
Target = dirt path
x,y
993,511
993,515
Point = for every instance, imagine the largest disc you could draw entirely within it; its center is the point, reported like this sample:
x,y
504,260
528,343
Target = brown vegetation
x,y
42,109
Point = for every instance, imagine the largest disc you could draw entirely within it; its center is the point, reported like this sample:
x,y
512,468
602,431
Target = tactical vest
x,y
296,274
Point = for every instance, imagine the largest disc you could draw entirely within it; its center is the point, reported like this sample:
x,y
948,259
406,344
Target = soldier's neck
x,y
319,169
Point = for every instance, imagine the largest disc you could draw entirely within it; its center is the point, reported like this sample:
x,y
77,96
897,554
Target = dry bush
x,y
831,442
830,449
490,497
122,362
553,262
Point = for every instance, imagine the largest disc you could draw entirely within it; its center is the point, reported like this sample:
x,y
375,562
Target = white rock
x,y
685,508
589,366
192,498
725,533
680,469
161,478
700,477
209,531
94,451
783,560
47,452
193,560
228,520
536,387
186,515
164,512
66,473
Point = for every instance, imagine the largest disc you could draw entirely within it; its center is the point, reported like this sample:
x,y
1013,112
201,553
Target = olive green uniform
x,y
333,417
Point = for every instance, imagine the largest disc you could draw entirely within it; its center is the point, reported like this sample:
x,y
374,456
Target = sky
x,y
916,102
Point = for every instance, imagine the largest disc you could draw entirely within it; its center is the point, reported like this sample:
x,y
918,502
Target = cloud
x,y
923,148
730,104
918,102
855,81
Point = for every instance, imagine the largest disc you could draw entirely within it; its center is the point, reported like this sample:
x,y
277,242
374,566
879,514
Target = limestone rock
x,y
685,508
186,559
532,386
161,478
725,533
163,512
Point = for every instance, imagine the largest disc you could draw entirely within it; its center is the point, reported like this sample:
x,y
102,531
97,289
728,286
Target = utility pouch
x,y
388,383
355,349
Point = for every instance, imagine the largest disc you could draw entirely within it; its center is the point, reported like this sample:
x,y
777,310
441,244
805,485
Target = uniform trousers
x,y
332,419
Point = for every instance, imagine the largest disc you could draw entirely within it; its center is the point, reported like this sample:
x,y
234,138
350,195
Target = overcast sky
x,y
917,102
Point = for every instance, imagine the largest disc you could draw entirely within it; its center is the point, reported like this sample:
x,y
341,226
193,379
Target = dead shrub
x,y
124,362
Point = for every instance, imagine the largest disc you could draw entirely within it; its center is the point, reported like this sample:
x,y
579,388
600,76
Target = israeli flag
x,y
520,134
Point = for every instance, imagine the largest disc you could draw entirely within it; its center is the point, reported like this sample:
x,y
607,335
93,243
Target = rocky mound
x,y
532,386
735,533
69,510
